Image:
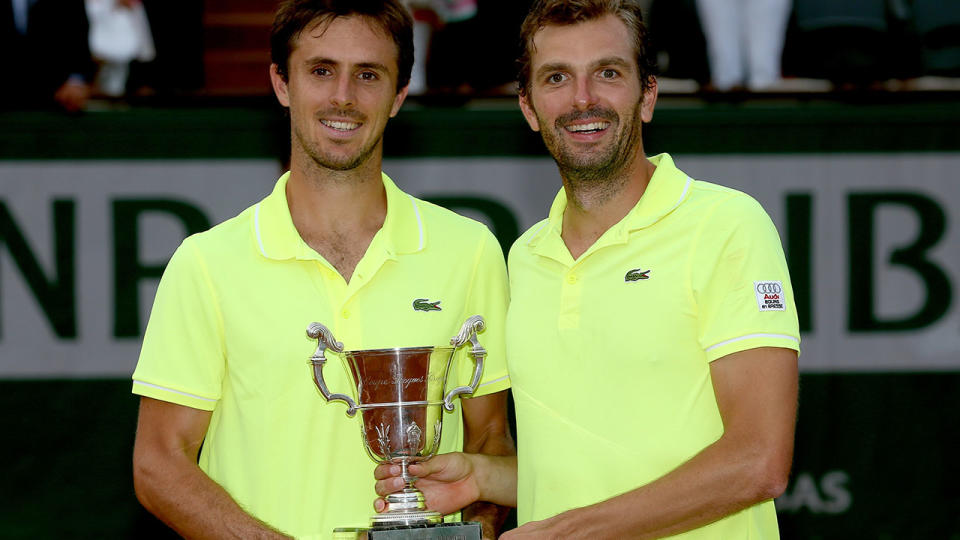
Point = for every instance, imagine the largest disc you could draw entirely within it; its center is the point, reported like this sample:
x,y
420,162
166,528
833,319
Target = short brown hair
x,y
565,12
294,16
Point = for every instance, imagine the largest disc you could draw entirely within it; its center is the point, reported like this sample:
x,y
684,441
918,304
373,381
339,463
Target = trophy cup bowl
x,y
399,393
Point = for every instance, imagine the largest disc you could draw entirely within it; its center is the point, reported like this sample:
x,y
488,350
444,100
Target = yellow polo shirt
x,y
228,334
609,354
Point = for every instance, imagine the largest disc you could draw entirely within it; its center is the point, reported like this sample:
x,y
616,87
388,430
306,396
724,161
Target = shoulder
x,y
525,241
223,239
449,226
439,216
724,207
530,234
728,222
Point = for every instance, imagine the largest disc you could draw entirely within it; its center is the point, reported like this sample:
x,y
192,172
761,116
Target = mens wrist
x,y
480,465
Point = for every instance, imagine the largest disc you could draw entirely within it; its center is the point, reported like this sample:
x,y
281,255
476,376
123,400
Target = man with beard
x,y
652,339
224,364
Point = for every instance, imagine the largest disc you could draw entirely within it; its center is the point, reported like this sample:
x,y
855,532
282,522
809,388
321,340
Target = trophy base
x,y
440,531
405,519
405,509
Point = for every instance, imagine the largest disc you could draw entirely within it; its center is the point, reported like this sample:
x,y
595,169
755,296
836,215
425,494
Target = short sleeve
x,y
182,359
741,282
489,297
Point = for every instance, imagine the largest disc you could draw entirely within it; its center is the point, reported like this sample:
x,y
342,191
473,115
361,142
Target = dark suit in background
x,y
55,47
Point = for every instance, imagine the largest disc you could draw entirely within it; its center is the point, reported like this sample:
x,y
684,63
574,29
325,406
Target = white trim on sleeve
x,y
751,336
172,391
505,377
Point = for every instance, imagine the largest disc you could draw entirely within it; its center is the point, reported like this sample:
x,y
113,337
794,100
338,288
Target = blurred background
x,y
126,125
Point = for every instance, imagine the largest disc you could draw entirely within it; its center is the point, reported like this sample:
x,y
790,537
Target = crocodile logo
x,y
423,304
636,275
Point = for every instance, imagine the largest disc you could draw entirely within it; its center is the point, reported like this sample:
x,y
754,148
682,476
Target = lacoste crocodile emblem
x,y
636,275
423,304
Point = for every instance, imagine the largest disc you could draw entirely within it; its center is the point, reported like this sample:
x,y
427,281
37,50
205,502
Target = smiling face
x,y
341,89
585,97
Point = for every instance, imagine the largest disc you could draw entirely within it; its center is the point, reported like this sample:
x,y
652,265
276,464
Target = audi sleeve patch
x,y
770,295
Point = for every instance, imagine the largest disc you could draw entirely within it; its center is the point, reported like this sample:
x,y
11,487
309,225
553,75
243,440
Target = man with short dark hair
x,y
224,363
652,337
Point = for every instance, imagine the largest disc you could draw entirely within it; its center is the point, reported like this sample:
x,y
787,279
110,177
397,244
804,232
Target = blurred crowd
x,y
720,45
61,53
768,45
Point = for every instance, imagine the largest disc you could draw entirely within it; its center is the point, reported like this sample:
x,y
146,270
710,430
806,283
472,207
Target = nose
x,y
585,96
344,93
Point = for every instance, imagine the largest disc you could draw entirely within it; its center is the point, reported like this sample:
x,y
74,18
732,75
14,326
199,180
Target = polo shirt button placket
x,y
570,301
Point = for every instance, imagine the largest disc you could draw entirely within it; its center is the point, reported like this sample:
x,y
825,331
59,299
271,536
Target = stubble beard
x,y
597,175
331,161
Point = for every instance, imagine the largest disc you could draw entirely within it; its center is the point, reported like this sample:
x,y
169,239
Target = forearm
x,y
491,514
496,478
756,393
710,486
188,501
491,438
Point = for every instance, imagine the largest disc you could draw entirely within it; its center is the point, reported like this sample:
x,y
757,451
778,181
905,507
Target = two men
x,y
224,364
652,339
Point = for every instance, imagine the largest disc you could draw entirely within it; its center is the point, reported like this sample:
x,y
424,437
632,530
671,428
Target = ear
x,y
527,109
279,85
398,101
649,101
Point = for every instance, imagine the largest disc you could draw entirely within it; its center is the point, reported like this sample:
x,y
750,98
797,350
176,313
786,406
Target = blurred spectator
x,y
429,16
855,44
677,36
465,47
937,23
43,45
119,34
177,30
744,41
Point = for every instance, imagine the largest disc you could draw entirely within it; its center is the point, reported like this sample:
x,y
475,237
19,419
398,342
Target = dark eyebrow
x,y
549,68
373,65
329,61
319,60
614,61
562,66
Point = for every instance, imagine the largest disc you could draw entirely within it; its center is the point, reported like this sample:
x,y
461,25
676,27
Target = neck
x,y
321,198
593,207
337,213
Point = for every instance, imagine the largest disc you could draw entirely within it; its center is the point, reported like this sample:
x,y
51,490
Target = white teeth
x,y
340,126
593,126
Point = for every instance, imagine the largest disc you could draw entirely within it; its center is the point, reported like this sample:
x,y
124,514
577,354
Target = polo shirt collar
x,y
668,188
277,238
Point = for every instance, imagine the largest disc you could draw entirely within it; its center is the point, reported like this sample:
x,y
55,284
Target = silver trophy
x,y
399,393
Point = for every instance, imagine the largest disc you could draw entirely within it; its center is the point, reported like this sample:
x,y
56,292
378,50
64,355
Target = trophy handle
x,y
325,340
468,332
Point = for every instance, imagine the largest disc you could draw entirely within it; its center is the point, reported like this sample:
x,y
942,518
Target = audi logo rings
x,y
768,288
